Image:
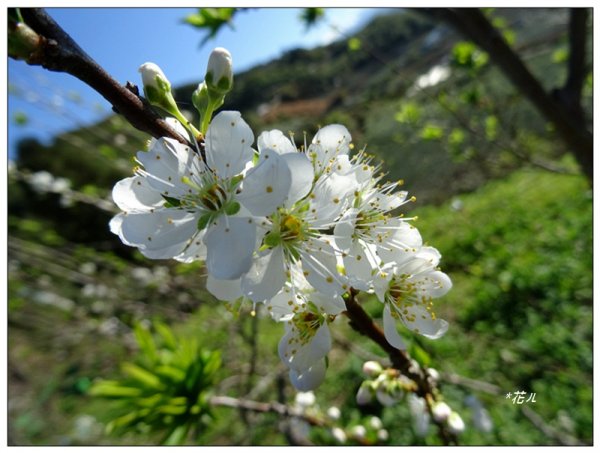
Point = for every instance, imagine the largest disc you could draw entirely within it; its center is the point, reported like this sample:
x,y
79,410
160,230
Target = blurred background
x,y
499,193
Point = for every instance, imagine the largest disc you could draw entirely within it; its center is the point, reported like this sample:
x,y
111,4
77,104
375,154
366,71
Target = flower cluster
x,y
291,228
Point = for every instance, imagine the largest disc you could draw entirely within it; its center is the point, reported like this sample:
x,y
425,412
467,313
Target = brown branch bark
x,y
475,26
58,52
364,324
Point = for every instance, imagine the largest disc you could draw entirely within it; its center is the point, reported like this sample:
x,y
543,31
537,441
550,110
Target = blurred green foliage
x,y
165,390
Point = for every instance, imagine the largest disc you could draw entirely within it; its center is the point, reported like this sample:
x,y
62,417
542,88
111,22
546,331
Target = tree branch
x,y
57,51
570,94
364,324
475,26
256,406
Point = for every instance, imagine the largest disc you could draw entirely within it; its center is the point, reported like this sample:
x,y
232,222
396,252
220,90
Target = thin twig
x,y
537,421
274,407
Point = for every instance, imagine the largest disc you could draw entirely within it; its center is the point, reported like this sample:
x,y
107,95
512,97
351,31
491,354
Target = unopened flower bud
x,y
219,72
386,398
375,423
440,411
383,435
339,434
305,399
157,87
359,432
334,413
200,98
364,395
433,374
22,41
455,423
372,368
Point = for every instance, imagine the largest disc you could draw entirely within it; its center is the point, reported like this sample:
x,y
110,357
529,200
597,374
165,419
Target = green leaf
x,y
113,389
232,208
177,435
420,355
354,44
211,20
491,127
175,374
432,132
20,118
409,113
311,16
166,334
204,220
141,375
146,342
171,202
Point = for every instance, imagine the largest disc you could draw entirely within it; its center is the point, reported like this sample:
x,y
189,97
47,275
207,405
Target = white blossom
x,y
408,290
178,206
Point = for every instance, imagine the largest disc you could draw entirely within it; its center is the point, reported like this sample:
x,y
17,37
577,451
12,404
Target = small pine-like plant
x,y
165,389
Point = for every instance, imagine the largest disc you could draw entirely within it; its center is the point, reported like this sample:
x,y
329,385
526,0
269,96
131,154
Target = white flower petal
x,y
281,307
163,233
299,355
320,268
230,243
389,329
275,141
228,144
344,230
333,139
423,323
266,276
302,175
165,163
266,186
135,194
402,244
332,194
434,284
195,250
332,305
228,290
390,201
310,378
359,262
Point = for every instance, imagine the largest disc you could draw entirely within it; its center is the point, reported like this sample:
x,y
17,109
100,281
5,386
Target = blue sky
x,y
120,40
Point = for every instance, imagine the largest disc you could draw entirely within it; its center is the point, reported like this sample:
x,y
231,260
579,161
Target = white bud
x,y
385,397
219,72
364,396
375,423
455,423
339,434
334,413
157,89
359,432
372,368
383,435
151,75
433,374
441,411
419,413
305,399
